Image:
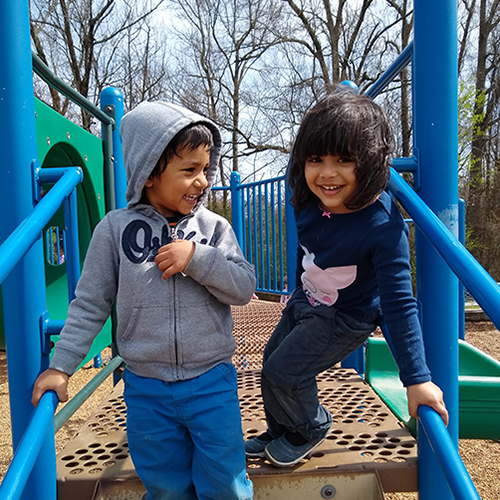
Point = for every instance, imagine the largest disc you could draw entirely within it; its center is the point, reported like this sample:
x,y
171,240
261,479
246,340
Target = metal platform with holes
x,y
366,444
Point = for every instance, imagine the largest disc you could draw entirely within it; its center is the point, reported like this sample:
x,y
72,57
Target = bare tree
x,y
226,41
79,38
344,42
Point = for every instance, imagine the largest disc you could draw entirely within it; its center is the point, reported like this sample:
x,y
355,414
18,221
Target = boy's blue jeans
x,y
185,438
307,341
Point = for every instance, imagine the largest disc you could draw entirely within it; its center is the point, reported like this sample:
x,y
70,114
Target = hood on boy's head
x,y
145,133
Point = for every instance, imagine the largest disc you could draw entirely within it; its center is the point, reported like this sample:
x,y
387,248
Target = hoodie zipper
x,y
176,345
173,236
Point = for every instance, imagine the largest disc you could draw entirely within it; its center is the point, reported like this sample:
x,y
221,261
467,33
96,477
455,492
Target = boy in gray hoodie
x,y
173,268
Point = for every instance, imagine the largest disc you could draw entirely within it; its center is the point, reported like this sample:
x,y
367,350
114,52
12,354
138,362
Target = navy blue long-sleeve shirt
x,y
359,263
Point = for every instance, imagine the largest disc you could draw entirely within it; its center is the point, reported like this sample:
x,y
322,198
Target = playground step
x,y
341,486
365,443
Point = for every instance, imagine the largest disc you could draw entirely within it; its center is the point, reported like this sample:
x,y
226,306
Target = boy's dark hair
x,y
351,126
190,138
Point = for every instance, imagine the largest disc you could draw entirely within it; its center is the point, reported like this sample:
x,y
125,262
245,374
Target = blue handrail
x,y
392,71
455,473
18,243
27,452
479,283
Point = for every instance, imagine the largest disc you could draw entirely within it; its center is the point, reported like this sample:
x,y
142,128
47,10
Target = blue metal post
x,y
112,104
23,290
292,241
73,249
461,288
236,213
436,139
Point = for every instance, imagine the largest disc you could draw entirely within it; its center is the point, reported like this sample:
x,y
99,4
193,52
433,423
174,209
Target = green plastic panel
x,y
478,384
61,143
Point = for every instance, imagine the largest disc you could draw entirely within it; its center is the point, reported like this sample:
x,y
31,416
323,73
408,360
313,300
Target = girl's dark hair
x,y
351,126
190,138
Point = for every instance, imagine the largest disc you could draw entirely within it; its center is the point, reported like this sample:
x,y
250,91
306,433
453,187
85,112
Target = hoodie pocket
x,y
148,336
205,333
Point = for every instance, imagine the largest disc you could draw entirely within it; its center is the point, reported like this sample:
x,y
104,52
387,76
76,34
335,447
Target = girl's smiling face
x,y
332,179
180,185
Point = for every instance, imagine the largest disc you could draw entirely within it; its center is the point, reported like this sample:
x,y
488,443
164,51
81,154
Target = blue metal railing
x,y
12,252
18,243
455,473
26,454
480,284
263,222
263,231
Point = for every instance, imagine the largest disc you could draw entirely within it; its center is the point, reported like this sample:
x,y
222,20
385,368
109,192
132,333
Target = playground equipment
x,y
29,321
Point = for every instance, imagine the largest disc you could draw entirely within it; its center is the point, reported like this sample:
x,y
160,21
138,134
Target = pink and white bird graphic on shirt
x,y
323,284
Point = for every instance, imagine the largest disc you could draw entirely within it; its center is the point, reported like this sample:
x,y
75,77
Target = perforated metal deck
x,y
364,437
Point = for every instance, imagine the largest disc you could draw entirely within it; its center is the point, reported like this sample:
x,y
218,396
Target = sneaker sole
x,y
256,454
293,462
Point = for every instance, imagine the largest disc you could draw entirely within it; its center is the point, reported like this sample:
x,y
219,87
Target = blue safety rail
x,y
263,204
475,278
455,473
26,454
263,221
20,243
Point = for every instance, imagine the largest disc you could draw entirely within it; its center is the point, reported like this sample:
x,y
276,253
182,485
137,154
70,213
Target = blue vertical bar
x,y
112,97
268,248
236,213
255,238
244,220
436,139
275,246
255,241
291,241
461,288
261,238
72,255
248,227
249,222
280,233
23,290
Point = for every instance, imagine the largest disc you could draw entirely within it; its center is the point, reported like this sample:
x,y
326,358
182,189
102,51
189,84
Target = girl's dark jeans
x,y
307,341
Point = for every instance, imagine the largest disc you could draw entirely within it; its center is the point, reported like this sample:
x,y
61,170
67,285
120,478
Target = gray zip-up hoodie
x,y
172,329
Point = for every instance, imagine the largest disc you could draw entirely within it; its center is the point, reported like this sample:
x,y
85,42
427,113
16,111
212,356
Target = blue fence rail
x,y
262,219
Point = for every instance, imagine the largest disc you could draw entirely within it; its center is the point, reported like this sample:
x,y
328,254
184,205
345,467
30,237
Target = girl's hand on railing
x,y
428,394
51,380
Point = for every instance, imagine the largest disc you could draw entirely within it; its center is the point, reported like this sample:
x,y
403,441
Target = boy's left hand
x,y
174,257
428,394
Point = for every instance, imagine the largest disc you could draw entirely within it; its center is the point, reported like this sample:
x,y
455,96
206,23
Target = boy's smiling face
x,y
180,185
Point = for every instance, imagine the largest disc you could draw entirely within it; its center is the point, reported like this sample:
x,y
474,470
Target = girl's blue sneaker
x,y
255,447
282,453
